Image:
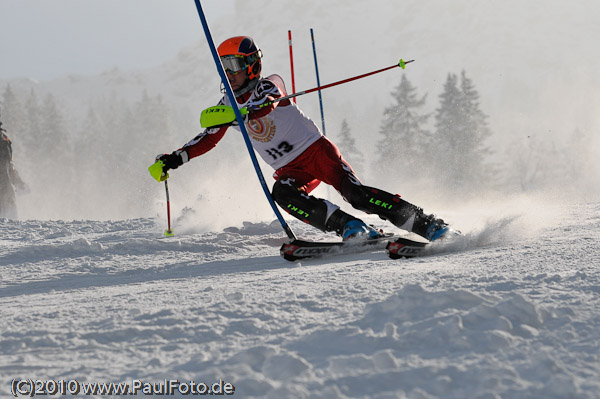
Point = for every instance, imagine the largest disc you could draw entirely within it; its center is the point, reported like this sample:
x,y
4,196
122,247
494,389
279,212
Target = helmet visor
x,y
234,63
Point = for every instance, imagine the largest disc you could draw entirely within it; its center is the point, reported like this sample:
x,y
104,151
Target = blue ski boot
x,y
436,230
358,229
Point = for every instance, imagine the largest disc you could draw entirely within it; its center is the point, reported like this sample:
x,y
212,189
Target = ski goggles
x,y
234,63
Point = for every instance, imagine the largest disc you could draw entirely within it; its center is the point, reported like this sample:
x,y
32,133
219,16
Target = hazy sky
x,y
46,39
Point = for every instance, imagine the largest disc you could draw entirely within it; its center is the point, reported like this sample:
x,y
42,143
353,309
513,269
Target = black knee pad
x,y
281,192
299,204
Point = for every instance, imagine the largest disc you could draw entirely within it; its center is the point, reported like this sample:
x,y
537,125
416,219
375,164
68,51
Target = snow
x,y
510,311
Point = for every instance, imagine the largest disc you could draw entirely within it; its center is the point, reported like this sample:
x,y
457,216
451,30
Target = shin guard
x,y
387,206
317,212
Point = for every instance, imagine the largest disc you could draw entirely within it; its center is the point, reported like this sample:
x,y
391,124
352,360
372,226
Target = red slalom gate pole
x,y
292,62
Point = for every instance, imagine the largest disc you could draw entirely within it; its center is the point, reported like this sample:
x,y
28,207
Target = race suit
x,y
291,143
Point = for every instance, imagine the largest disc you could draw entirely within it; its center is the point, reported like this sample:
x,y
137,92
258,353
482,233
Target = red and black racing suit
x,y
302,157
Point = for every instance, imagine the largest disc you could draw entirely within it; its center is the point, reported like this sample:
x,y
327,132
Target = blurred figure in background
x,y
9,178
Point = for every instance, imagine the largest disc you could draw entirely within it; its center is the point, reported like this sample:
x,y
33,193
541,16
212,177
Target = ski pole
x,y
168,232
240,119
222,115
401,64
156,171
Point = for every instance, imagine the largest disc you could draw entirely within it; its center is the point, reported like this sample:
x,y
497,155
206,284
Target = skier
x,y
8,178
302,157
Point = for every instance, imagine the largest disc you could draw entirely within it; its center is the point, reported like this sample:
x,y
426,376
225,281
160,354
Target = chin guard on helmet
x,y
248,86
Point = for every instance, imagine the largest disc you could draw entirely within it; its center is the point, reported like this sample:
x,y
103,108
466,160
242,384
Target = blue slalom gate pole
x,y
312,38
240,120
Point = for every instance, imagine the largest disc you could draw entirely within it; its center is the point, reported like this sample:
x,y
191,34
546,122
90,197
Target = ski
x,y
403,247
400,247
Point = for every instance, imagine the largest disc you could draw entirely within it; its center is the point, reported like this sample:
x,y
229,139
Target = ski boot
x,y
429,227
356,229
436,230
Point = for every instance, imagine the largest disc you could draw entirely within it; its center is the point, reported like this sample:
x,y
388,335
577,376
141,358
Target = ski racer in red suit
x,y
302,157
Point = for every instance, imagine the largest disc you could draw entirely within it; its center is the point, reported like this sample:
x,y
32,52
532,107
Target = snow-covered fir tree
x,y
459,144
33,113
405,137
13,117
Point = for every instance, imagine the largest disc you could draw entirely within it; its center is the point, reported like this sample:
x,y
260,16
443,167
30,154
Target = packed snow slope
x,y
510,311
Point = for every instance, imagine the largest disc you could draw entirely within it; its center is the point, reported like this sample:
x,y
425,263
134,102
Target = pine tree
x,y
53,154
405,137
54,138
95,170
25,143
13,116
445,142
476,133
458,145
148,127
347,146
92,143
151,124
33,112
